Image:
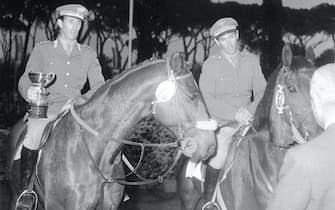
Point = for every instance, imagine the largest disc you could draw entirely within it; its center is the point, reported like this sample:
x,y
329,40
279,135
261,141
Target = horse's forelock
x,y
300,62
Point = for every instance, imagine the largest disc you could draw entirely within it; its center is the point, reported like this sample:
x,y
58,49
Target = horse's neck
x,y
115,120
123,102
115,115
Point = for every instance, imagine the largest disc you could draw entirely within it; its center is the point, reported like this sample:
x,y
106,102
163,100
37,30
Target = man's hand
x,y
75,101
34,93
243,115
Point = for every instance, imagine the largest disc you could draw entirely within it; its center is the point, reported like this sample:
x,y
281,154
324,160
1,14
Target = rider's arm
x,y
258,85
94,75
294,187
34,64
217,108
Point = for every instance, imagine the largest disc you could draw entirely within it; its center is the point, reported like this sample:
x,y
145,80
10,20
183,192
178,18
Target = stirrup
x,y
25,192
211,203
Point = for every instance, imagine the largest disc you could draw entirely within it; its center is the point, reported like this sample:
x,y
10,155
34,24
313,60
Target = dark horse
x,y
80,164
283,119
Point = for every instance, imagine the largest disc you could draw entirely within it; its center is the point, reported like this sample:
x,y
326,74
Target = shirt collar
x,y
76,46
232,58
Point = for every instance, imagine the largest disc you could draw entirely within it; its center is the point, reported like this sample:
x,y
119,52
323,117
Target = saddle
x,y
22,130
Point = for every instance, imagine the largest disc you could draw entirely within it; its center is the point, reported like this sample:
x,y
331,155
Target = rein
x,y
175,144
164,92
242,130
121,180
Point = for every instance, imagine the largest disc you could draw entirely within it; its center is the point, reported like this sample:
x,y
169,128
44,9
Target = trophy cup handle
x,y
50,78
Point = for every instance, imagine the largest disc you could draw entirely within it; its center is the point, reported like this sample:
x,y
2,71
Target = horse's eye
x,y
194,96
291,88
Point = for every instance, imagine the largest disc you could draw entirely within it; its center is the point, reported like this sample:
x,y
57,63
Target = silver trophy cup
x,y
39,108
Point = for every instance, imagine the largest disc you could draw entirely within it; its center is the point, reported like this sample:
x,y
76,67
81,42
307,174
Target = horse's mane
x,y
262,113
299,62
134,69
125,74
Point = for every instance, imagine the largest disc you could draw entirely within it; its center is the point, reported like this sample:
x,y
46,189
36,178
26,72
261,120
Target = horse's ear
x,y
178,62
287,55
309,55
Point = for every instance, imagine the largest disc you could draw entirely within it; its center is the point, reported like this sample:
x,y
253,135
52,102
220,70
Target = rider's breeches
x,y
35,130
223,139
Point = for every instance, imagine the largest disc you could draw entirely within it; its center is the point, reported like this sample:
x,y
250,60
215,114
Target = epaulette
x,y
44,42
213,58
84,46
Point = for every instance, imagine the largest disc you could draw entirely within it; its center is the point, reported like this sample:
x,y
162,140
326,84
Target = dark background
x,y
156,24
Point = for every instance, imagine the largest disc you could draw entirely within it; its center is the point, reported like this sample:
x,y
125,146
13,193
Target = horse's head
x,y
179,105
291,116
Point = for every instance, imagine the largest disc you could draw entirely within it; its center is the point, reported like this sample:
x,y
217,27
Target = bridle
x,y
203,125
283,109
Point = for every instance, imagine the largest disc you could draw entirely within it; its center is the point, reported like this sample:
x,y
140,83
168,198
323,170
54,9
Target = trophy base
x,y
38,111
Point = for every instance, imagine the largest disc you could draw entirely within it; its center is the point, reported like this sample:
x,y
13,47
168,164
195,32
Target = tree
x,y
152,28
190,20
272,26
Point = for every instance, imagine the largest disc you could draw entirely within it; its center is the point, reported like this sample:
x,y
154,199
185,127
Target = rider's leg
x,y
29,155
216,163
28,161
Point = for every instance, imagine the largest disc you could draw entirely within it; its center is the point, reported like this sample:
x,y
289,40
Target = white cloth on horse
x,y
210,125
195,169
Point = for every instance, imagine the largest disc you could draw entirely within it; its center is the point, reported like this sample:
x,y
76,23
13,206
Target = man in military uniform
x,y
229,79
72,64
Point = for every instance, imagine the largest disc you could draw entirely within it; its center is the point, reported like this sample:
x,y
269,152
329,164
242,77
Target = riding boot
x,y
211,180
26,200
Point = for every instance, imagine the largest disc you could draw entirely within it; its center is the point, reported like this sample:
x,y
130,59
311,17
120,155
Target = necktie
x,y
234,60
68,49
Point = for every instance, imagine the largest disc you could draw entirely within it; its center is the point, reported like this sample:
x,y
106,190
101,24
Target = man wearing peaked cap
x,y
73,64
74,10
223,25
229,79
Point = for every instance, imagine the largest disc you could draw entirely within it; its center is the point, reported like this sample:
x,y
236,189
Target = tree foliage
x,y
158,22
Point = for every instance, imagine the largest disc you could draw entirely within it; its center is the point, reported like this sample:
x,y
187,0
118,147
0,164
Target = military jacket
x,y
72,72
226,88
